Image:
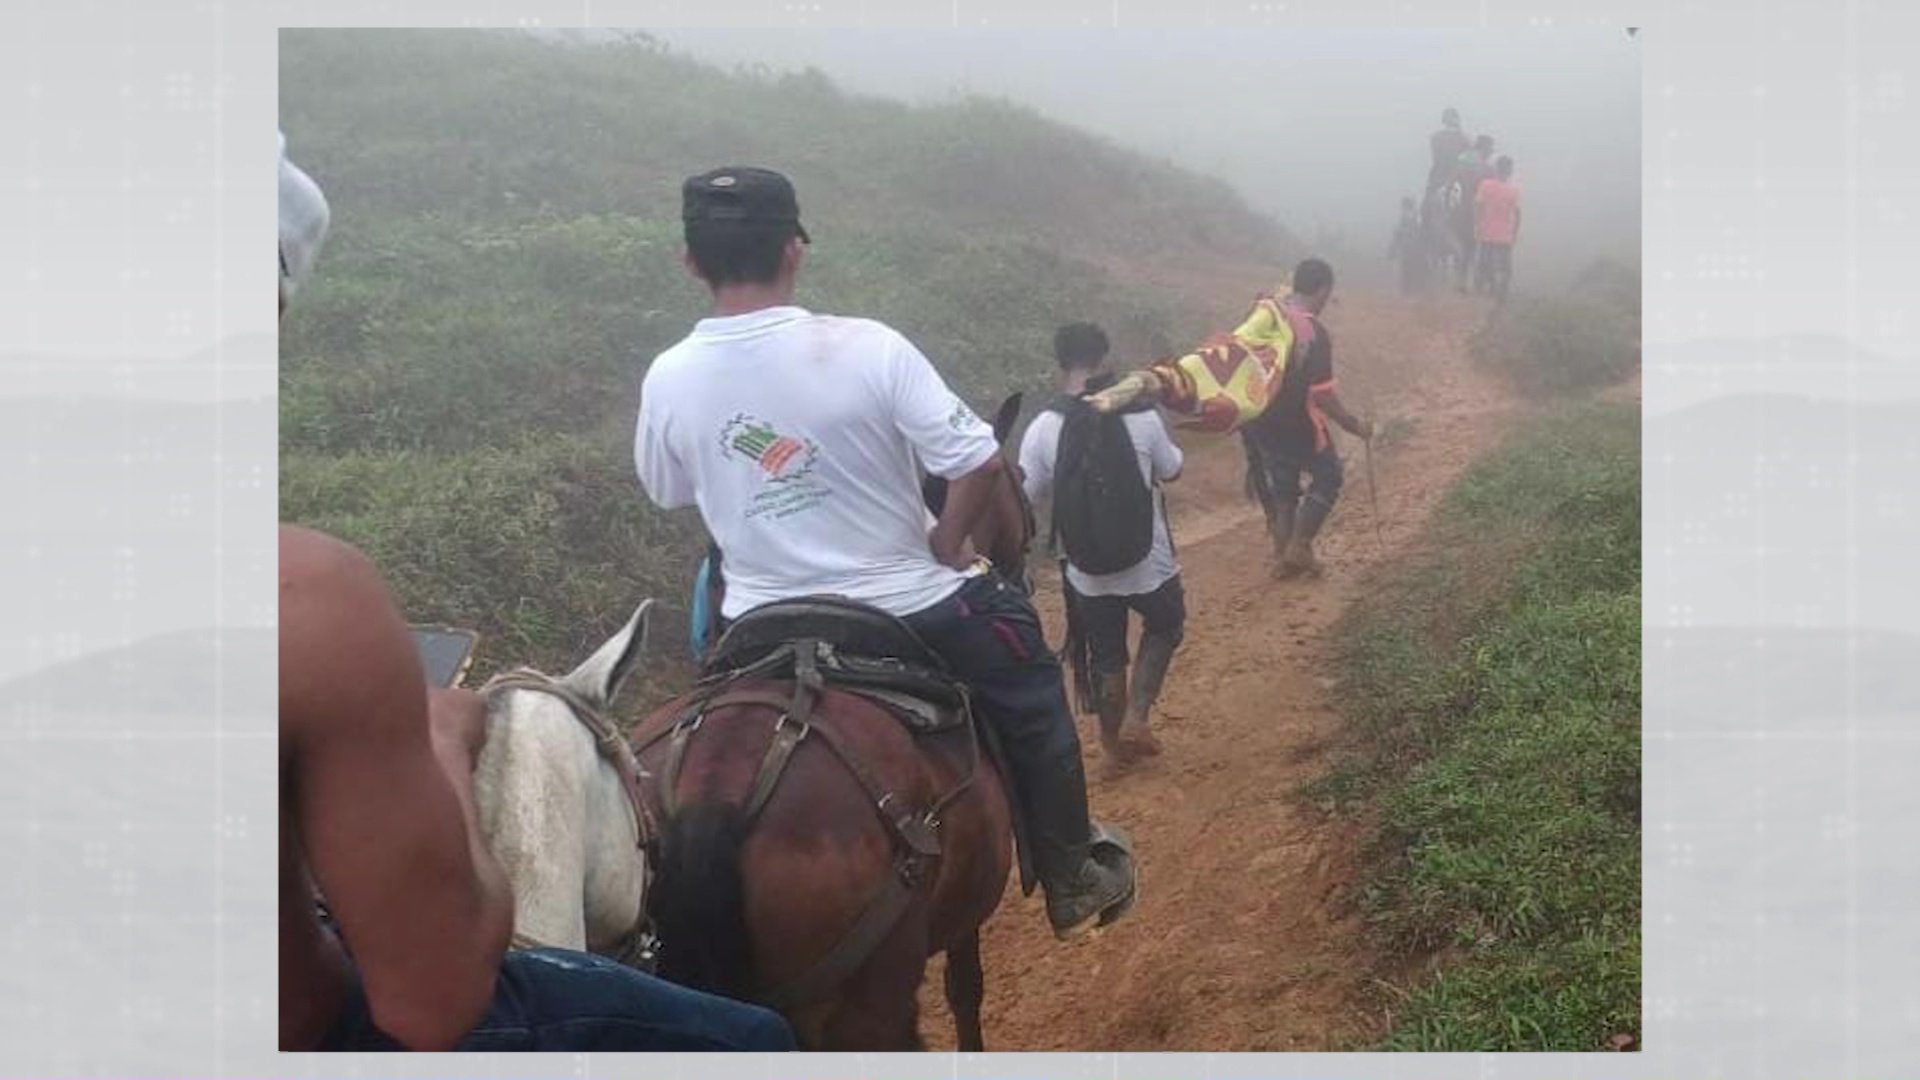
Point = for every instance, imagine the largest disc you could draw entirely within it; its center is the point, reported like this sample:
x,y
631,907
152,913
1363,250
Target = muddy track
x,y
1244,937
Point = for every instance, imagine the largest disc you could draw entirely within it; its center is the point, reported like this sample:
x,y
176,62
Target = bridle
x,y
636,948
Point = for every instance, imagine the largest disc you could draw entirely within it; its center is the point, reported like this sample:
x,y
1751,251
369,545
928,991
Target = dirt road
x,y
1243,938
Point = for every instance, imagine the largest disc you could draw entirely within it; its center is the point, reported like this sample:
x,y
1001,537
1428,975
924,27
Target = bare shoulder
x,y
324,582
341,637
306,553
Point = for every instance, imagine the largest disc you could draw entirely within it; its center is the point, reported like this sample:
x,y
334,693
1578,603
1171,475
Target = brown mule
x,y
815,855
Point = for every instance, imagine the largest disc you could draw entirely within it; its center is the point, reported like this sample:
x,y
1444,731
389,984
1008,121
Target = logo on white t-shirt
x,y
784,465
962,418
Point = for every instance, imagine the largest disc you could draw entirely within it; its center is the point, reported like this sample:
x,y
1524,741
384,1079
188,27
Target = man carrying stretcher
x,y
1272,380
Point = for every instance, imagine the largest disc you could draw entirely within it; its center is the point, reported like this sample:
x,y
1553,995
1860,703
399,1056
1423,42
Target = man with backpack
x,y
1291,437
1104,471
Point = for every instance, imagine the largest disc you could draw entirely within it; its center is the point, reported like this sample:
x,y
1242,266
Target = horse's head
x,y
553,790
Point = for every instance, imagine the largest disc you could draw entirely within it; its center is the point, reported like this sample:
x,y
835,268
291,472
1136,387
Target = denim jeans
x,y
559,1000
990,636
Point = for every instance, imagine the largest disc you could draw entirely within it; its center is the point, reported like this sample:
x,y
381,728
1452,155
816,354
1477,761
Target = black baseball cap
x,y
744,194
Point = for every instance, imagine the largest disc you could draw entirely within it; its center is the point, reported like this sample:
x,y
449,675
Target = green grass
x,y
460,379
1560,345
1494,684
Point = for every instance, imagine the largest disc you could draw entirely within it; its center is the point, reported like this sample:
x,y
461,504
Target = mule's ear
x,y
599,679
1004,420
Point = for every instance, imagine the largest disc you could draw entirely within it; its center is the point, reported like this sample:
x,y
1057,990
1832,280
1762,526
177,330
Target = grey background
x,y
137,436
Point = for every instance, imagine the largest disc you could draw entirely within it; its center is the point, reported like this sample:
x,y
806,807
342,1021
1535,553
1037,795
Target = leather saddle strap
x,y
786,737
789,730
901,821
906,826
680,734
874,923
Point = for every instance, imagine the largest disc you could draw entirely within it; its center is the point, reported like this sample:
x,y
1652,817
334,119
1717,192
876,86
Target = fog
x,y
1325,130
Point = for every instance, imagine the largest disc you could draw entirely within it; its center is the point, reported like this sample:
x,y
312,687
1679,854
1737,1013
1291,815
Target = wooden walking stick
x,y
1373,496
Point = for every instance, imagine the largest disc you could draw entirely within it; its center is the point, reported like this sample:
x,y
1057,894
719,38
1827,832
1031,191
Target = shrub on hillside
x,y
1554,345
1613,284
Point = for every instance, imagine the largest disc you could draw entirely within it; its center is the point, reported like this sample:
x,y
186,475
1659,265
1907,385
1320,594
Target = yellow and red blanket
x,y
1228,380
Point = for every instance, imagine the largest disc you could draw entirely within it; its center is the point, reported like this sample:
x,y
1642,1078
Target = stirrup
x,y
1105,845
1115,841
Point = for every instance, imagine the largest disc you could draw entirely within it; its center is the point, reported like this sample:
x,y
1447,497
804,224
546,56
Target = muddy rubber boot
x,y
1110,700
1298,558
1281,520
1149,674
1100,891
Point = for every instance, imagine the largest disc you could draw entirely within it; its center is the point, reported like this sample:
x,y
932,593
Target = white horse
x,y
554,807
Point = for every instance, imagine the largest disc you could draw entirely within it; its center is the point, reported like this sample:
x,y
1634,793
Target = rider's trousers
x,y
990,635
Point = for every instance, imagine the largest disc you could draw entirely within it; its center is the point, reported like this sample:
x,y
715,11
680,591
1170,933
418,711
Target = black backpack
x,y
1102,506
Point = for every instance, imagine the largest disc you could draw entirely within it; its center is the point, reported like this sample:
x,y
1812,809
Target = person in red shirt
x,y
1496,206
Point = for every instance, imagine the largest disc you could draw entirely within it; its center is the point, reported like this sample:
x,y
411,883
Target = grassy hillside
x,y
1493,682
458,385
1497,691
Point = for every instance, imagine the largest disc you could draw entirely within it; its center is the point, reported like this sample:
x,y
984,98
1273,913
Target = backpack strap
x,y
1063,405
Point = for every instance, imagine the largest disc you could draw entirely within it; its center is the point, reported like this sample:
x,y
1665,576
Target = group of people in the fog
x,y
1467,221
800,439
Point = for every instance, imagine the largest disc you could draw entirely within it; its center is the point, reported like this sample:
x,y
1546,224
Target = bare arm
x,y
1328,401
969,499
384,797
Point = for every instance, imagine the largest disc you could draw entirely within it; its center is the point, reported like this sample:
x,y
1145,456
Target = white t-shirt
x,y
1159,460
800,437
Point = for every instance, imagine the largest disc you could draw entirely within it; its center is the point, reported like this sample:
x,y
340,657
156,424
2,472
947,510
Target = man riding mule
x,y
1446,144
800,437
379,813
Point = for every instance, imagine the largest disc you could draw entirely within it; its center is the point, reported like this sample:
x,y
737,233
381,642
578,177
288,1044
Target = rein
x,y
635,948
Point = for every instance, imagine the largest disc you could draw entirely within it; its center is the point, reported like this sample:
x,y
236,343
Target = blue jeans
x,y
990,636
556,1000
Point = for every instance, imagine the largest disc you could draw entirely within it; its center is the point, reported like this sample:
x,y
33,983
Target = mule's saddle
x,y
820,642
832,641
853,647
